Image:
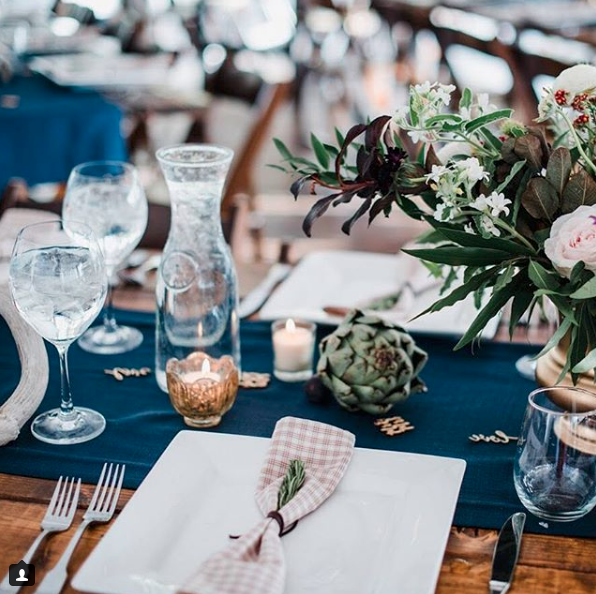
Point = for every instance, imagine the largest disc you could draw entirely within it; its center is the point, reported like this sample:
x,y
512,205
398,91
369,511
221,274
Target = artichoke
x,y
369,364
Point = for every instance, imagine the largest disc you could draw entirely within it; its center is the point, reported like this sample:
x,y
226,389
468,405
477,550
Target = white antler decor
x,y
27,396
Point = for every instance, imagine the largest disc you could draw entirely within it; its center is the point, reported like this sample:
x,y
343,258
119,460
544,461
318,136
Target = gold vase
x,y
548,370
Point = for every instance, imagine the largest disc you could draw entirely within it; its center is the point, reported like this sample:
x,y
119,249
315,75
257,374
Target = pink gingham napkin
x,y
255,562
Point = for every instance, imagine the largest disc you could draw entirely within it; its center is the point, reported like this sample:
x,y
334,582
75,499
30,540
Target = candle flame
x,y
290,325
206,367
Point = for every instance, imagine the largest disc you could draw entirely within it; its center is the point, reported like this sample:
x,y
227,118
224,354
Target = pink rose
x,y
573,239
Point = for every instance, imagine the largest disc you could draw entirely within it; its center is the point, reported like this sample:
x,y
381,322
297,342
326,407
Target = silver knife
x,y
506,554
255,299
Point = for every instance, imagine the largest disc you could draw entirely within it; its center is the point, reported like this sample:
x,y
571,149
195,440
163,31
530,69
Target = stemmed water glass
x,y
108,197
555,464
58,282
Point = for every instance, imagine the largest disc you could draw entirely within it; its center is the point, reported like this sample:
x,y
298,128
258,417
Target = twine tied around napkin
x,y
255,562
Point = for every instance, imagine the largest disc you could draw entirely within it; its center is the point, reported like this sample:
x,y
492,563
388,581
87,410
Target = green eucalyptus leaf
x,y
541,277
320,151
496,303
586,291
461,256
519,306
472,240
587,363
514,171
489,118
556,337
466,99
462,291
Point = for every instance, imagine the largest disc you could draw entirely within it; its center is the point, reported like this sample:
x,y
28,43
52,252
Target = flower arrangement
x,y
513,209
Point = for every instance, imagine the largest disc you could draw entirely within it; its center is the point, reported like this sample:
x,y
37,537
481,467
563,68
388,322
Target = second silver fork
x,y
58,518
101,509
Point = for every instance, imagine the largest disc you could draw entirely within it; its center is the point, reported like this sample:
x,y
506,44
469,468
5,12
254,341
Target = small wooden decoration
x,y
499,437
252,379
393,426
120,373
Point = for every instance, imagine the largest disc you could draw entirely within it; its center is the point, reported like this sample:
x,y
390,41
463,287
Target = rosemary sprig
x,y
292,483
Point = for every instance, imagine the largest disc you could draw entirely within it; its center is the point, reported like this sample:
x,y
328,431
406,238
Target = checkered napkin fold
x,y
255,562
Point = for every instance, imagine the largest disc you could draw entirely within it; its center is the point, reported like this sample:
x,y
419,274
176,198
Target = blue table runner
x,y
468,393
47,130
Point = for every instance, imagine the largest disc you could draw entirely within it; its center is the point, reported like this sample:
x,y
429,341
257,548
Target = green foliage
x,y
526,185
291,483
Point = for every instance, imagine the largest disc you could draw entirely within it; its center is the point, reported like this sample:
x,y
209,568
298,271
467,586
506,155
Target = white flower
x,y
435,173
426,136
443,93
547,106
423,88
573,239
484,103
481,203
498,204
576,80
472,169
489,227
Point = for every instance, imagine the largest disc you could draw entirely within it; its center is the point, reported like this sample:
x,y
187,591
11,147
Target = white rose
x,y
573,239
577,79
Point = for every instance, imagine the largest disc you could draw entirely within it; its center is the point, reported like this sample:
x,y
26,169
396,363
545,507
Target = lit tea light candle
x,y
205,374
293,348
202,388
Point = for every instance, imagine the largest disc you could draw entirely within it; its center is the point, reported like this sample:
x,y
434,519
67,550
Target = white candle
x,y
204,375
293,347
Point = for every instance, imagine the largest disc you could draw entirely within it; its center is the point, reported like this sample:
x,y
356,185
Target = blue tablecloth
x,y
468,393
45,130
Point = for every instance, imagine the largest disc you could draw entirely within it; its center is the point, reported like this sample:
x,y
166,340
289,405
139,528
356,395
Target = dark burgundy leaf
x,y
374,131
431,158
353,133
344,198
380,206
318,209
297,185
347,226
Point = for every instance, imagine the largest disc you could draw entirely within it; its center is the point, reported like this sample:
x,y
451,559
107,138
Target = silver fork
x,y
101,509
59,515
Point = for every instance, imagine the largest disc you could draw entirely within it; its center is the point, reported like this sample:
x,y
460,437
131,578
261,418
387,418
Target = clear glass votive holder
x,y
201,388
555,463
293,349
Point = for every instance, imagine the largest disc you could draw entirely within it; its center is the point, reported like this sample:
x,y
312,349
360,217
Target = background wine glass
x,y
58,282
108,197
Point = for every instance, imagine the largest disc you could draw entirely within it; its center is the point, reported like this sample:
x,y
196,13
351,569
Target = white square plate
x,y
352,279
383,531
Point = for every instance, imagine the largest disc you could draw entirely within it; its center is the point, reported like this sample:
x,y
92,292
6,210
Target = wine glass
x,y
555,464
58,282
108,197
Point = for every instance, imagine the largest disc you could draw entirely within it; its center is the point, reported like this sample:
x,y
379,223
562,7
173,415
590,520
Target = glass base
x,y
293,376
102,341
526,367
82,425
211,421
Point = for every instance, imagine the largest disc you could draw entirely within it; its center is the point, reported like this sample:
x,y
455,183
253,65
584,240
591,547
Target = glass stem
x,y
66,406
109,320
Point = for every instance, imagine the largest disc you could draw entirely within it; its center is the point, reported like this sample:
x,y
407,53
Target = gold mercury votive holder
x,y
202,388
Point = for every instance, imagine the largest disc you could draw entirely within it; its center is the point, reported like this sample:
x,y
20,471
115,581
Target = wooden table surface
x,y
547,565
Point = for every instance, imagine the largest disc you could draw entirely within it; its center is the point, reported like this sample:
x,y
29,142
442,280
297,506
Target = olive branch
x,y
292,482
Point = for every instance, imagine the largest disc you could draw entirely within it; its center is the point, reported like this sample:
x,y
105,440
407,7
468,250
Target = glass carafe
x,y
197,289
